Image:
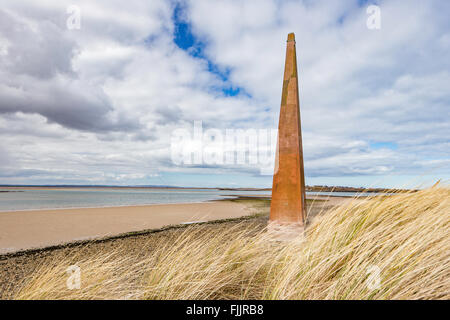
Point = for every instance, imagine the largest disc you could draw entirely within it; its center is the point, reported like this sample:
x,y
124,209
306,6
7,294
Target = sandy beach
x,y
20,230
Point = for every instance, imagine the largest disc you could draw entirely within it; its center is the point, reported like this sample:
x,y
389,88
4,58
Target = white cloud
x,y
100,103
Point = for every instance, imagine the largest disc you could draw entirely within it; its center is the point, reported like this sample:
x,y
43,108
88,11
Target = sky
x,y
91,92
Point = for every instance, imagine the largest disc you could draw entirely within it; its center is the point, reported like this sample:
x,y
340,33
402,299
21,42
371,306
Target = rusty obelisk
x,y
288,205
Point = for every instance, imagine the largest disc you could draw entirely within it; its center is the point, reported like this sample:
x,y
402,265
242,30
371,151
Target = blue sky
x,y
186,40
100,104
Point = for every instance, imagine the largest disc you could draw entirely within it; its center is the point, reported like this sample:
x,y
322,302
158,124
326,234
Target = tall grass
x,y
394,247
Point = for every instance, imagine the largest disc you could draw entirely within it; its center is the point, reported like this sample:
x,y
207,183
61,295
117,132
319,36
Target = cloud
x,y
38,78
101,103
356,84
42,52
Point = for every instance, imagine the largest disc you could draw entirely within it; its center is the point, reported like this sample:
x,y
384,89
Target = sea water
x,y
35,199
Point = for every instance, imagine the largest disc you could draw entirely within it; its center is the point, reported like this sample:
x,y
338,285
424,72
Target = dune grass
x,y
394,247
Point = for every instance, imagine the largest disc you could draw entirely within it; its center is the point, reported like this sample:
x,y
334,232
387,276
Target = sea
x,y
58,198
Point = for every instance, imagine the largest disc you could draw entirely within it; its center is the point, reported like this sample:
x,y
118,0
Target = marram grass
x,y
379,248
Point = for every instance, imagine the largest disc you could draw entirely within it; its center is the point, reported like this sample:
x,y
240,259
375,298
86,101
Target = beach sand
x,y
21,230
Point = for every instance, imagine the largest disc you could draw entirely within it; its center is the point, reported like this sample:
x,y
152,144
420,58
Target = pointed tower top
x,y
288,205
291,37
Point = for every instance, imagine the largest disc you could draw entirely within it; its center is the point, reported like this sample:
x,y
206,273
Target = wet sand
x,y
21,230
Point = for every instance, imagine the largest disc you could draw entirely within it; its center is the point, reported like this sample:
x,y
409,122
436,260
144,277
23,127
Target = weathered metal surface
x,y
288,190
